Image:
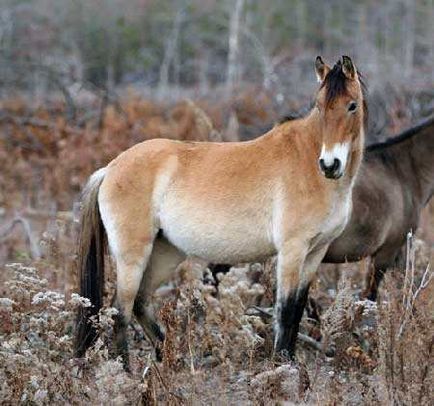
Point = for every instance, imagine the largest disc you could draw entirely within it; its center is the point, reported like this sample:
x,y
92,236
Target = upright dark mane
x,y
335,84
405,135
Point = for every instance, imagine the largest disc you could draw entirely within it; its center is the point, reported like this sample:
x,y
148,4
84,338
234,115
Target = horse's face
x,y
340,107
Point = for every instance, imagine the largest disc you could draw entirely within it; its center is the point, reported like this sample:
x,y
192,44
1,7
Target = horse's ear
x,y
348,67
321,69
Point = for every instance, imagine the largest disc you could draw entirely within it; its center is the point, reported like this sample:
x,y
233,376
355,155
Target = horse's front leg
x,y
296,267
291,296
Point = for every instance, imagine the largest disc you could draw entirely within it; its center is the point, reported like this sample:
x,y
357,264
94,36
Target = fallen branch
x,y
267,315
264,313
310,342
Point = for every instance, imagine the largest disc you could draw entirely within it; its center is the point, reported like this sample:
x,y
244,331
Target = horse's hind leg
x,y
129,275
162,265
383,260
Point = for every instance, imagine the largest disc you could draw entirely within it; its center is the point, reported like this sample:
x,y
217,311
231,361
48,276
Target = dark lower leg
x,y
374,279
288,316
150,327
218,269
120,338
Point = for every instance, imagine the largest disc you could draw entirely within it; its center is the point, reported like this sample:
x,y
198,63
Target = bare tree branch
x,y
35,252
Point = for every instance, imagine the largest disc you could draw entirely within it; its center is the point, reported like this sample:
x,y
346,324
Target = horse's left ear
x,y
321,69
348,67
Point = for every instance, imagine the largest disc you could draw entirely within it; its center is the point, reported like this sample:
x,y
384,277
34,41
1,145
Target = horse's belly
x,y
217,235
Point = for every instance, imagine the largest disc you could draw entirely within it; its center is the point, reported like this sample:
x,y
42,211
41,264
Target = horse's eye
x,y
352,107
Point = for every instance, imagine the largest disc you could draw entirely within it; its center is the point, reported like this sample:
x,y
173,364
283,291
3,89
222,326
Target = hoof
x,y
330,351
284,356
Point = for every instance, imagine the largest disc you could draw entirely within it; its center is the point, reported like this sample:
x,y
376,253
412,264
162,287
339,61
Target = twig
x,y
192,369
409,297
267,313
426,279
166,388
310,341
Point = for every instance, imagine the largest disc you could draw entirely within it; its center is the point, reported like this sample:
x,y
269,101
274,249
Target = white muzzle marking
x,y
339,151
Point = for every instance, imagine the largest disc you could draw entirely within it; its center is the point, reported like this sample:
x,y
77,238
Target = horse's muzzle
x,y
333,171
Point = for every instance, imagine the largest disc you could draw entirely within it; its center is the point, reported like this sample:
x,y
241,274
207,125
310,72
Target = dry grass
x,y
216,351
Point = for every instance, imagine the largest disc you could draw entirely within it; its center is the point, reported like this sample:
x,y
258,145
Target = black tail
x,y
91,248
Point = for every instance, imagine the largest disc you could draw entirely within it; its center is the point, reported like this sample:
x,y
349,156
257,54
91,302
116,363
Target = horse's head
x,y
340,106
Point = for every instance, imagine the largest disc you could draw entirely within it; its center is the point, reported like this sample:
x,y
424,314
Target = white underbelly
x,y
222,236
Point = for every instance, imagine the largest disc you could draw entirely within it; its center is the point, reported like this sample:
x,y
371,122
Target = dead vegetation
x,y
218,350
215,352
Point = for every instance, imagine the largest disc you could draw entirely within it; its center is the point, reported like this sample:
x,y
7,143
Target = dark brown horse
x,y
395,183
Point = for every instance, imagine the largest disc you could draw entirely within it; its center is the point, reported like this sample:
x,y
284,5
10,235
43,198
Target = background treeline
x,y
172,44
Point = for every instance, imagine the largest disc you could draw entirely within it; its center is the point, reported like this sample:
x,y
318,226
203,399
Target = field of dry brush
x,y
219,341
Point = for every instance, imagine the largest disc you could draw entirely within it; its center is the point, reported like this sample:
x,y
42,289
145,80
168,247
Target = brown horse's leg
x,y
164,260
382,262
373,280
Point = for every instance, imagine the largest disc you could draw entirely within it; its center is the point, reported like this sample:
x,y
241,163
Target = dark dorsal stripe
x,y
405,135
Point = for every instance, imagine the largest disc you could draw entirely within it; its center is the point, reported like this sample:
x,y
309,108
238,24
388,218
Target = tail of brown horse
x,y
91,248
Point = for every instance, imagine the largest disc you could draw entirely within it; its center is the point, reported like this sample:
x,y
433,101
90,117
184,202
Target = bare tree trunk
x,y
170,51
233,68
409,34
203,66
301,23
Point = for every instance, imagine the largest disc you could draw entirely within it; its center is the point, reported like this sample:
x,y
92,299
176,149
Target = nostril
x,y
322,164
336,164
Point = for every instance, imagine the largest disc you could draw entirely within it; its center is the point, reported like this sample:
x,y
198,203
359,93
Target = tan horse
x,y
286,193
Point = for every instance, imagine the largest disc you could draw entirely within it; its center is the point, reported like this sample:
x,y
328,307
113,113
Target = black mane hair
x,y
405,135
335,84
289,117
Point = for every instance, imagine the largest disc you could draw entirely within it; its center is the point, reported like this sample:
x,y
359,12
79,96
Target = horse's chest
x,y
336,219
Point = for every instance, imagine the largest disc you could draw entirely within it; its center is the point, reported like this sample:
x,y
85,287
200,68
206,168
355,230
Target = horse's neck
x,y
422,157
415,163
